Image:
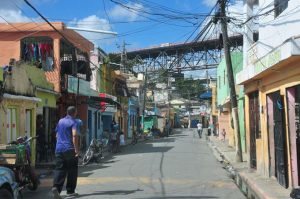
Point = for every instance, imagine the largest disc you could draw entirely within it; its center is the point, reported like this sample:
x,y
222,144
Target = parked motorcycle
x,y
17,157
95,151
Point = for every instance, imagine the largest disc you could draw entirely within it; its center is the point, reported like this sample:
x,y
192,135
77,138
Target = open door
x,y
281,169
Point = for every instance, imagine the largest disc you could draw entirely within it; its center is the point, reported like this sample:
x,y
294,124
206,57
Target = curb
x,y
248,186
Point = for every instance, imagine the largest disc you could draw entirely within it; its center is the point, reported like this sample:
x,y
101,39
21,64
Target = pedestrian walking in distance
x,y
199,129
223,134
66,155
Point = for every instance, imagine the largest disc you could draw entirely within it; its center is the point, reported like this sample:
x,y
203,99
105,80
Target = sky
x,y
136,30
139,27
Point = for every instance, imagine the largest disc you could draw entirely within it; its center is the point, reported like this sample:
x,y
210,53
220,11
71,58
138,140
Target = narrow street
x,y
180,166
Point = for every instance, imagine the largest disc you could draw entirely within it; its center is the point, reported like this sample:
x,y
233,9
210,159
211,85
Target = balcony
x,y
258,65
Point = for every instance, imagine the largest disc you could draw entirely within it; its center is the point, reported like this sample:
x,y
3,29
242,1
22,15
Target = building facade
x,y
19,106
225,120
270,76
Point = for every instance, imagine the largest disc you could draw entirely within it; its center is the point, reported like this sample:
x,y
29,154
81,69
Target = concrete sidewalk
x,y
253,185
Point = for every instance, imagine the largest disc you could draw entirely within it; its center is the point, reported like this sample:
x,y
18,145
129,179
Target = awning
x,y
84,87
206,95
21,97
97,101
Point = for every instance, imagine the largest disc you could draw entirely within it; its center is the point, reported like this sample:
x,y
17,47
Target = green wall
x,y
223,92
222,82
241,106
1,74
48,99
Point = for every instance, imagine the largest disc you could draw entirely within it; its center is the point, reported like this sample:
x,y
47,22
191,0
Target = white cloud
x,y
94,22
119,12
12,16
11,13
209,3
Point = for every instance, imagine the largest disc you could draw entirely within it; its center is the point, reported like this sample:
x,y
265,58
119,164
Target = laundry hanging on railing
x,y
38,52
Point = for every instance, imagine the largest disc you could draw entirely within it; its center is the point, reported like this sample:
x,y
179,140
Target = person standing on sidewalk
x,y
66,155
199,129
223,134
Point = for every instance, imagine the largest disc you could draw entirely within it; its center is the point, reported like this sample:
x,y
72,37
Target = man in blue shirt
x,y
66,154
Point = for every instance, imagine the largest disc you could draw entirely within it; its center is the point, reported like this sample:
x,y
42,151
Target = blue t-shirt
x,y
64,134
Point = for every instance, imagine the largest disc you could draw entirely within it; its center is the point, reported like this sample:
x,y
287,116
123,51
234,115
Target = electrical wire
x,y
141,12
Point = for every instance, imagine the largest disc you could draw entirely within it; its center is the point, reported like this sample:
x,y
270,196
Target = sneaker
x,y
72,194
55,193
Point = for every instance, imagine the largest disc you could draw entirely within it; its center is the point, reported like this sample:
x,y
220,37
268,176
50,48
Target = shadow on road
x,y
147,147
111,193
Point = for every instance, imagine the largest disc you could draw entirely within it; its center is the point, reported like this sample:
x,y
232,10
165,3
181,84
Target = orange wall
x,y
10,46
224,123
10,43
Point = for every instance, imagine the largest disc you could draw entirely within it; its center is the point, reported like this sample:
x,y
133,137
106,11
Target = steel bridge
x,y
180,57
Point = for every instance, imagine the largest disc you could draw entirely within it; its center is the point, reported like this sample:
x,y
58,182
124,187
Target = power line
x,y
140,12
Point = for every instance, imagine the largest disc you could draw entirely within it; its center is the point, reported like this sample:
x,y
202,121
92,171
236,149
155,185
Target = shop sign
x,y
268,61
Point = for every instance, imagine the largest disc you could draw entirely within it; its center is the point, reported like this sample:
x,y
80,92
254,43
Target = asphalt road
x,y
180,166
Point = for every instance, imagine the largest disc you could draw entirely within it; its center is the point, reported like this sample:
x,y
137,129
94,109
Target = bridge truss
x,y
177,58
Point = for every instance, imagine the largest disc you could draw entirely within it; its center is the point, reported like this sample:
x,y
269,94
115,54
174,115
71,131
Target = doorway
x,y
277,120
255,132
293,104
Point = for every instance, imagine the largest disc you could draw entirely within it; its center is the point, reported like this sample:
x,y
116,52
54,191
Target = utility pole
x,y
123,58
233,97
75,74
145,96
189,109
169,105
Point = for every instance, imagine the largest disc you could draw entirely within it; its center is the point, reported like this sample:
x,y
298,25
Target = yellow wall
x,y
285,76
21,107
214,110
48,99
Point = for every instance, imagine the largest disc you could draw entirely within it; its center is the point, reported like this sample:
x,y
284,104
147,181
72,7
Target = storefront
x,y
272,103
18,119
46,113
104,108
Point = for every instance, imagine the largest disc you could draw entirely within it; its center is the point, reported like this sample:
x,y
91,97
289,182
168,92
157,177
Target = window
x,y
38,50
280,6
255,36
